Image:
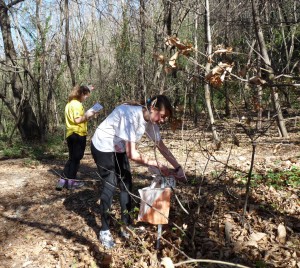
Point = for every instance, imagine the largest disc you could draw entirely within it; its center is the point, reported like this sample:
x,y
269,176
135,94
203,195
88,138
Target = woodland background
x,y
232,72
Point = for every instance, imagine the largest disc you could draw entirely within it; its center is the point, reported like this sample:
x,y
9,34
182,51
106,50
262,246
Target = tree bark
x,y
195,89
67,37
141,78
26,120
268,67
207,70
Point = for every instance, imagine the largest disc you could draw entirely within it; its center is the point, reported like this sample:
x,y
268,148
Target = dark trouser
x,y
114,170
76,146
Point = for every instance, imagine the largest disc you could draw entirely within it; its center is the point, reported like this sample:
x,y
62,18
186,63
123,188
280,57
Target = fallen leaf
x,y
252,243
167,262
281,234
257,236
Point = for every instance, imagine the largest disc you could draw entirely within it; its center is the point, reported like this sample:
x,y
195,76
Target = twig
x,y
211,261
249,178
176,248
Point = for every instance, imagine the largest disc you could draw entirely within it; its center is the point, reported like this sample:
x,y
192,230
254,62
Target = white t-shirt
x,y
125,123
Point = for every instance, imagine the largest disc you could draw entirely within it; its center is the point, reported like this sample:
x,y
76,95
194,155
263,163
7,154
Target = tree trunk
x,y
141,78
67,37
195,89
159,79
168,17
207,70
40,85
26,120
268,67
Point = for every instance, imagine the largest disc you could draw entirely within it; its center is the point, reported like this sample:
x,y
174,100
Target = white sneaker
x,y
106,239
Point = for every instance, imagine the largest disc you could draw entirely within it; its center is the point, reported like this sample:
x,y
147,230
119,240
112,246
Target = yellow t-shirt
x,y
74,109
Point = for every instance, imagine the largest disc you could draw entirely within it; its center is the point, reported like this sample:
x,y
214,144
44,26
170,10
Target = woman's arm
x,y
136,156
88,115
81,119
167,154
172,160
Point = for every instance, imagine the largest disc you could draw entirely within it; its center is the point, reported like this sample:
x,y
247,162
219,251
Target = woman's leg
x,y
125,182
106,166
76,146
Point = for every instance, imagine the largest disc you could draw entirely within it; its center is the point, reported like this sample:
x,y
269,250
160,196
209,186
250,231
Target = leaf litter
x,y
40,227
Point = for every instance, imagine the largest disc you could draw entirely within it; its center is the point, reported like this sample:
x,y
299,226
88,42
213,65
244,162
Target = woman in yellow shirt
x,y
76,132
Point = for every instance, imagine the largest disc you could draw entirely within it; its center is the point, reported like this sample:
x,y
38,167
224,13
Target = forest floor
x,y
42,227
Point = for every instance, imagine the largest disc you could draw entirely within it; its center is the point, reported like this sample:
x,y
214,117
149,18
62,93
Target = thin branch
x,y
211,261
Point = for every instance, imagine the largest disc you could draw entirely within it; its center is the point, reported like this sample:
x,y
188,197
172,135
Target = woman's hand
x,y
180,175
163,169
89,114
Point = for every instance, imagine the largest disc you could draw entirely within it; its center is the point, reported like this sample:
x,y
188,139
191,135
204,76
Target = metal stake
x,y
159,229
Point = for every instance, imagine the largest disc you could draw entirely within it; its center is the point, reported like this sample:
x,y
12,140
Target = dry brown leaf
x,y
276,148
194,79
184,49
256,236
217,75
256,80
228,228
171,41
243,72
142,263
175,124
217,70
106,261
175,41
227,68
27,263
172,61
281,231
223,50
235,140
159,57
215,81
238,246
187,52
167,262
168,70
252,243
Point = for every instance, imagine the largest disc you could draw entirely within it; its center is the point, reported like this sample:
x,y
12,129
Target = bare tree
x,y
269,72
26,120
67,37
141,77
207,70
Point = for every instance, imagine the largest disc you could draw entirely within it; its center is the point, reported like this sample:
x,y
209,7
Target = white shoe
x,y
106,239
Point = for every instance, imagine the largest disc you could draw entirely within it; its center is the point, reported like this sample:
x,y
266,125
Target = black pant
x,y
76,146
114,170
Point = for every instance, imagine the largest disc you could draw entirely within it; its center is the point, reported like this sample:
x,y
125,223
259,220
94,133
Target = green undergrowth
x,y
53,147
277,179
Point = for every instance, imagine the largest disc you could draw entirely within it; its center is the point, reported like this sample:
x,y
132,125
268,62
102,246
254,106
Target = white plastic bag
x,y
155,200
159,201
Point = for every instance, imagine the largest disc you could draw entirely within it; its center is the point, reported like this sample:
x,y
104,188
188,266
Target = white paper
x,y
96,108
